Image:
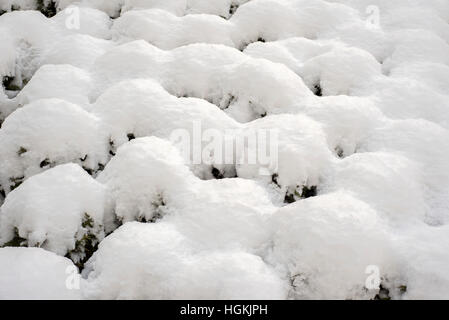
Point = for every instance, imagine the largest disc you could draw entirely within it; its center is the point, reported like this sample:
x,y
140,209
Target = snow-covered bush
x,y
61,210
91,22
223,76
78,50
154,261
301,150
327,242
144,178
57,81
390,183
167,31
346,121
101,99
148,180
46,133
425,143
141,107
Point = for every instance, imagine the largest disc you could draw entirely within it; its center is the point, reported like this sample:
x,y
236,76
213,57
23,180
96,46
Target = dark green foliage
x,y
293,196
17,241
217,174
111,147
233,8
84,247
10,84
21,151
17,181
317,90
88,170
88,222
47,7
45,163
259,39
87,244
306,192
100,167
289,198
384,294
339,151
93,172
274,179
131,136
158,210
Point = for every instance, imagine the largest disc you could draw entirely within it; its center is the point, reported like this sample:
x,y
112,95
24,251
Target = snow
x,y
144,108
34,274
48,132
77,50
169,31
145,175
162,264
347,236
152,171
301,142
7,5
48,209
390,183
96,97
425,143
346,121
65,82
91,21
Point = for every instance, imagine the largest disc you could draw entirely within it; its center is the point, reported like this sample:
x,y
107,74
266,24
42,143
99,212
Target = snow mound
x,y
142,107
34,274
162,264
223,76
149,181
390,183
302,152
347,237
91,22
167,31
57,81
143,178
60,210
46,133
425,143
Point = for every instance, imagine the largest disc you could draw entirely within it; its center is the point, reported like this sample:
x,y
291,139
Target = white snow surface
x,y
92,179
47,210
35,274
